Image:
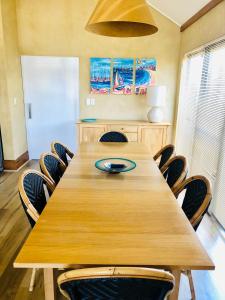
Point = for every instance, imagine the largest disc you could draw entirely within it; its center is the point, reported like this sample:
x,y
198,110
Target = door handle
x,y
29,111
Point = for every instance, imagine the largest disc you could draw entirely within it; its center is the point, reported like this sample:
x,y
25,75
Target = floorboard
x,y
14,228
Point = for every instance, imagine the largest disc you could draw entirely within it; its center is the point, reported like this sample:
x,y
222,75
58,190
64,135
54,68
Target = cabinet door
x,y
154,138
91,134
132,137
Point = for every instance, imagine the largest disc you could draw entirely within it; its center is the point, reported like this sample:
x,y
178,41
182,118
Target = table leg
x,y
49,284
175,294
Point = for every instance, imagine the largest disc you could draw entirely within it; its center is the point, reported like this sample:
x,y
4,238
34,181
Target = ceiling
x,y
179,11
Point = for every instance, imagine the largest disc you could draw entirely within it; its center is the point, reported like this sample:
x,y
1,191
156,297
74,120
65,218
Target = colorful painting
x,y
145,75
123,76
100,77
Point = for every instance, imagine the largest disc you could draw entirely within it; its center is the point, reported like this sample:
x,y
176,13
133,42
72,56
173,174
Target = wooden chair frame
x,y
70,153
45,170
182,175
198,215
159,153
113,131
115,272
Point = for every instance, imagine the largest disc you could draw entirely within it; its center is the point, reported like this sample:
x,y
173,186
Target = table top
x,y
127,219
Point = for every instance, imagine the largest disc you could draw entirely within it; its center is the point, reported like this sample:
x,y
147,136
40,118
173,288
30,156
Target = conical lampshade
x,y
122,18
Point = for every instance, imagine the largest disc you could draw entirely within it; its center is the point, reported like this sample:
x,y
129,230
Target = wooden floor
x,y
14,229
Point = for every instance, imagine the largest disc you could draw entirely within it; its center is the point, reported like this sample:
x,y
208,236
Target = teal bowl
x,y
115,165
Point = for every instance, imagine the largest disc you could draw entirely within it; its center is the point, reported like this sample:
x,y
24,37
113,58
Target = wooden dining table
x,y
98,219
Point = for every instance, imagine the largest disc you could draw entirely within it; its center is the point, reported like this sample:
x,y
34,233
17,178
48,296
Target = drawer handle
x,y
122,128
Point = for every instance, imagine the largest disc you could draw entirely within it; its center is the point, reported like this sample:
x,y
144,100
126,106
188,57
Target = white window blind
x,y
201,118
188,104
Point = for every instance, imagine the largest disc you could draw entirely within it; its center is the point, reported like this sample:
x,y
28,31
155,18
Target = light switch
x,y
93,101
14,100
88,101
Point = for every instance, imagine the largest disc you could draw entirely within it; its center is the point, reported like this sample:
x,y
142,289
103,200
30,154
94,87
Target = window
x,y
201,118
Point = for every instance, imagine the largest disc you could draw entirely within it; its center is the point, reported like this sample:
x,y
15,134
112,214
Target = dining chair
x,y
164,154
32,193
175,171
114,136
196,200
127,283
52,166
62,151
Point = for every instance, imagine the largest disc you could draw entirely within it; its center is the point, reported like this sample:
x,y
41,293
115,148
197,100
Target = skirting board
x,y
16,164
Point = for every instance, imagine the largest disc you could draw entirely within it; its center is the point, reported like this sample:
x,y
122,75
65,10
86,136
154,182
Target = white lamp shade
x,y
156,95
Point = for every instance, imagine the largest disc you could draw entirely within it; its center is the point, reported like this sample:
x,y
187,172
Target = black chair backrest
x,y
117,288
33,186
197,199
114,136
62,151
52,165
166,155
175,170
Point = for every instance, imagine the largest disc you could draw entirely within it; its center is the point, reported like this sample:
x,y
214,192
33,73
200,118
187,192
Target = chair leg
x,y
191,283
32,280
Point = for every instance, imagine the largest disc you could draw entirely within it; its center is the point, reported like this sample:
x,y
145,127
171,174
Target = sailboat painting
x,y
100,77
145,75
123,76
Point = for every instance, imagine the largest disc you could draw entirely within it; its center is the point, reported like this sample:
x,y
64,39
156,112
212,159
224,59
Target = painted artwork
x,y
123,76
145,75
100,77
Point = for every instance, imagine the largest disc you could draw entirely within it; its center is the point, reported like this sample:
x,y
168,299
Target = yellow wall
x,y
50,27
5,117
11,114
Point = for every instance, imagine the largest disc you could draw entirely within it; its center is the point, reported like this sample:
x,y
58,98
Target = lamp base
x,y
155,115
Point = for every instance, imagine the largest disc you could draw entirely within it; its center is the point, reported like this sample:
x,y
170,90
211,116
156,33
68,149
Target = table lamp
x,y
156,96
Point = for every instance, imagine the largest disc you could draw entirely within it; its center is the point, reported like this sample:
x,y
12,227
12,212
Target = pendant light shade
x,y
122,18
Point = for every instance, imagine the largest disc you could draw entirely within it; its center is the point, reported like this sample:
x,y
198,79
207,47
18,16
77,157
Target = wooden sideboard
x,y
154,135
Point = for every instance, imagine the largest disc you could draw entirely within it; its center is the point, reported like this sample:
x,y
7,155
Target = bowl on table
x,y
115,165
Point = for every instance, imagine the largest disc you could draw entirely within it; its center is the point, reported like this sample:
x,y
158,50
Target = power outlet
x,y
92,101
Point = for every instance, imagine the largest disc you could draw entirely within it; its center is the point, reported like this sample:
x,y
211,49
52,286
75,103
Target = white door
x,y
51,92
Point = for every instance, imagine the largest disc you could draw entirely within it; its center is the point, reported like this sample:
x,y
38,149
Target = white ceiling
x,y
179,11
